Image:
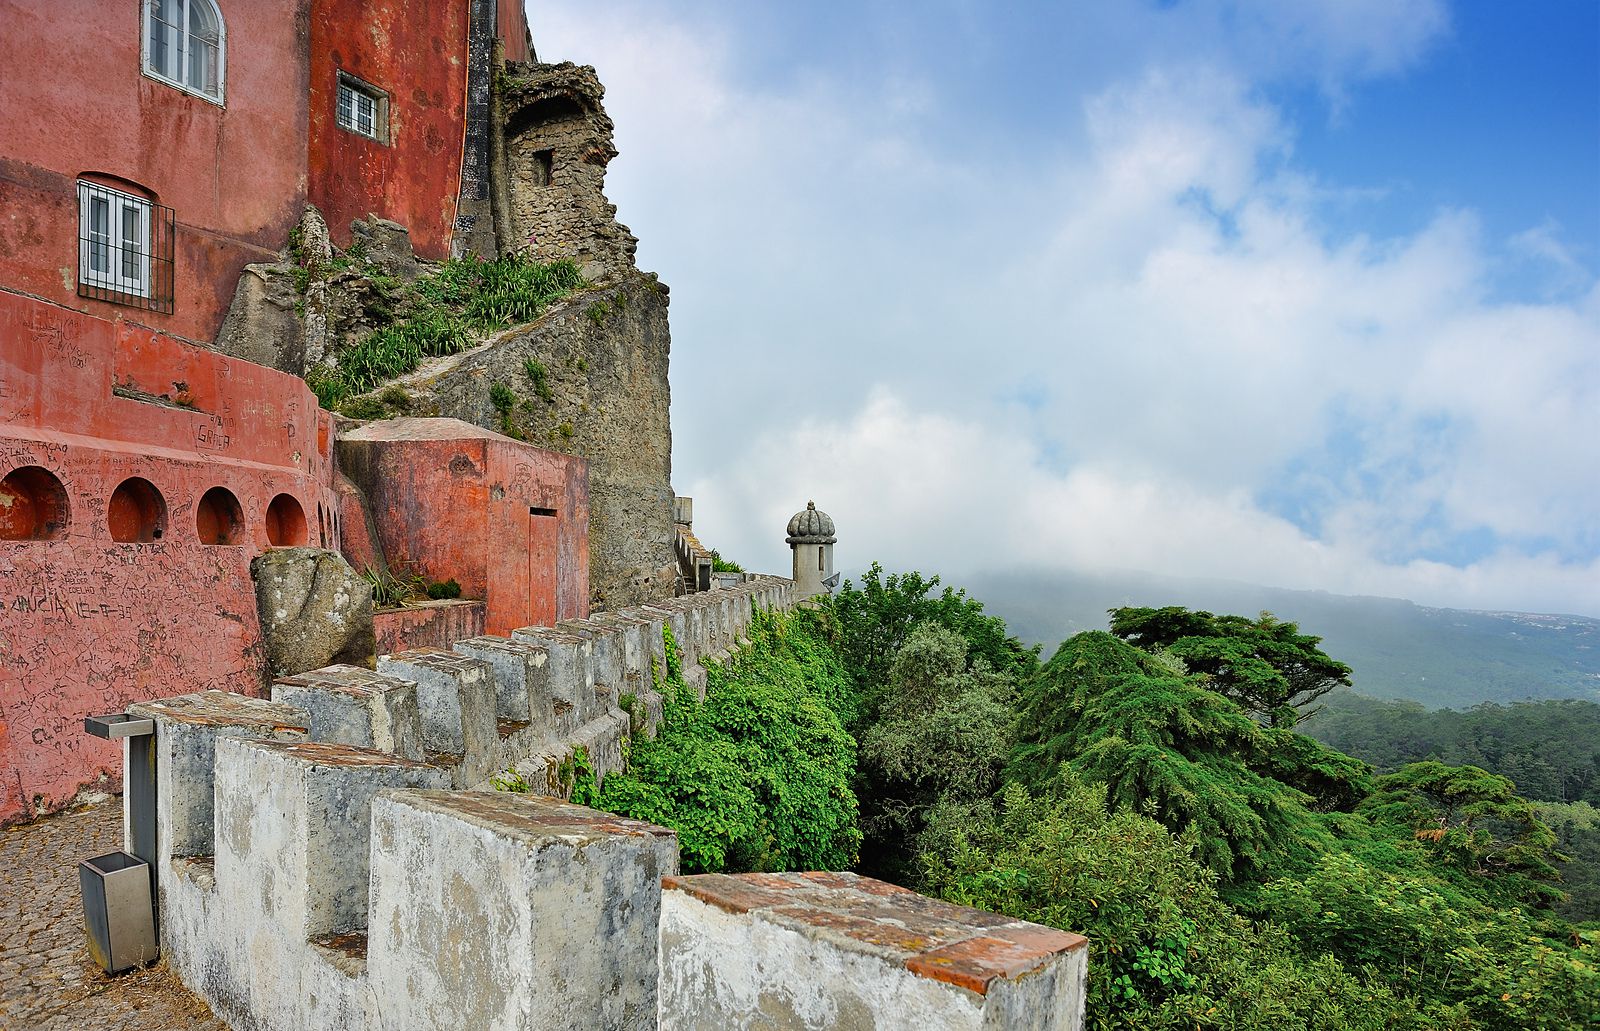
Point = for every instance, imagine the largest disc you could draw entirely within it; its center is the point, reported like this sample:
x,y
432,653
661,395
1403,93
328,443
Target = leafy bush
x,y
447,590
1166,950
395,586
757,776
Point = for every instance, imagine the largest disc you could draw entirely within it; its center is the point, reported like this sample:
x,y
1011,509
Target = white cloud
x,y
1105,351
926,490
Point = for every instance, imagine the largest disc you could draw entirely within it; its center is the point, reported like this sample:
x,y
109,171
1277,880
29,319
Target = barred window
x,y
184,45
363,108
124,248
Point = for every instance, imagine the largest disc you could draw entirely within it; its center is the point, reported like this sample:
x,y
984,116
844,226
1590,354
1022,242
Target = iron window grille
x,y
185,45
362,108
124,248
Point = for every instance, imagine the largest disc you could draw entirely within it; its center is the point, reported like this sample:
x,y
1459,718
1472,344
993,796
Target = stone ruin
x,y
333,857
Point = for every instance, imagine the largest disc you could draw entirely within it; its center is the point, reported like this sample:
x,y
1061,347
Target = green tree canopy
x,y
1162,740
1469,814
1265,664
943,735
873,621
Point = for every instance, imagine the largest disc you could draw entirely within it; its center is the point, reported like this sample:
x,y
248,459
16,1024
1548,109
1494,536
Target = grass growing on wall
x,y
443,314
757,776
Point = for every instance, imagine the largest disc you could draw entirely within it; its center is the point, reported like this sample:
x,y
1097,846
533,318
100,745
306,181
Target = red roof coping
x,y
965,947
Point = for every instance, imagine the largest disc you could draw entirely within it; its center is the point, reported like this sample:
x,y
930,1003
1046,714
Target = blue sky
x,y
1300,294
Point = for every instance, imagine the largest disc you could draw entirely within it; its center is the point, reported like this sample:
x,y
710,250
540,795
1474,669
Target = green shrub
x,y
757,776
446,312
539,376
449,589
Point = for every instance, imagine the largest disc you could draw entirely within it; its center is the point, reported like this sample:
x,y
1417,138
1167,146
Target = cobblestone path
x,y
47,981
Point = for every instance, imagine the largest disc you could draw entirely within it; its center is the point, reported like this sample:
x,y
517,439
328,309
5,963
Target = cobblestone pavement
x,y
47,981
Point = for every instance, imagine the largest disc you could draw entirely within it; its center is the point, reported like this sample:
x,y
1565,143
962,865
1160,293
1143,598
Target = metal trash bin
x,y
117,917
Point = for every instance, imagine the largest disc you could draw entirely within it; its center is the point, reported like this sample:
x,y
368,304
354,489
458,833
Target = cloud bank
x,y
1129,332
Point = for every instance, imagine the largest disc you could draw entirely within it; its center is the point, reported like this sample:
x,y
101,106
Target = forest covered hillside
x,y
1442,658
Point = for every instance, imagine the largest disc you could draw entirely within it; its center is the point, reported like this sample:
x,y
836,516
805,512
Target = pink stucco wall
x,y
88,624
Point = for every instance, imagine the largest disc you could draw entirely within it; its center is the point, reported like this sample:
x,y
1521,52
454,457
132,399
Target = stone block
x,y
674,619
292,828
496,910
315,610
352,705
188,728
632,632
571,676
834,950
521,674
457,697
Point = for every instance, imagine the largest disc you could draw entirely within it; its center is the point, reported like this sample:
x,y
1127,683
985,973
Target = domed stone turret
x,y
811,526
811,539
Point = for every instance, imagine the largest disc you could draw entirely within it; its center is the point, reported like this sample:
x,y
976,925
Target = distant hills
x,y
1443,658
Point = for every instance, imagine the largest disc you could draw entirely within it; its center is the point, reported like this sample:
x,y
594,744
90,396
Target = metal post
x,y
138,787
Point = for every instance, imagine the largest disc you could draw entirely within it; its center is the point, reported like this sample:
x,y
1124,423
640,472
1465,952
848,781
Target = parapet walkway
x,y
329,858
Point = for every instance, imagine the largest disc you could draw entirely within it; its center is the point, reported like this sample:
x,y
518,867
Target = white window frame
x,y
126,256
377,102
179,39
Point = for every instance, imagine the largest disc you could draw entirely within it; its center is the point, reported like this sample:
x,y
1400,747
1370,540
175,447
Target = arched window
x,y
185,44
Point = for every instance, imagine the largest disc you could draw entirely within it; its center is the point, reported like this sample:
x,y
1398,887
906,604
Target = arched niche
x,y
286,522
219,519
137,513
33,505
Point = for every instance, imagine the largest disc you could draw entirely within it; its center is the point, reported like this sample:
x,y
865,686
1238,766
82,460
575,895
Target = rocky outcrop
x,y
300,310
557,143
315,611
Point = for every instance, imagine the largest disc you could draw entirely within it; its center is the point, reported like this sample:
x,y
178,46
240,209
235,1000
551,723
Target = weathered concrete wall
x,y
323,882
433,624
605,356
557,146
817,951
498,910
228,452
455,501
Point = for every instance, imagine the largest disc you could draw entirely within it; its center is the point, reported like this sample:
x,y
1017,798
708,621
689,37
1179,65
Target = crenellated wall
x,y
329,858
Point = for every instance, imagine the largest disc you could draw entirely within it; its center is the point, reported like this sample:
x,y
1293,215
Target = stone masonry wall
x,y
557,146
318,864
604,354
487,909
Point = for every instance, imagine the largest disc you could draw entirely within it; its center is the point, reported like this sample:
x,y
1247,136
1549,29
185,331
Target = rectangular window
x,y
363,108
124,248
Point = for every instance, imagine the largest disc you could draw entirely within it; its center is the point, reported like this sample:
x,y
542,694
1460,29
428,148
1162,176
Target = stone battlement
x,y
331,857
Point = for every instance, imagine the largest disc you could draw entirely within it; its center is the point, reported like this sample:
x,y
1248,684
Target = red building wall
x,y
506,520
88,624
513,30
417,53
74,99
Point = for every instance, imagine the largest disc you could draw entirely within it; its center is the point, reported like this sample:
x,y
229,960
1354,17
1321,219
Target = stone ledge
x,y
225,709
965,947
530,818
